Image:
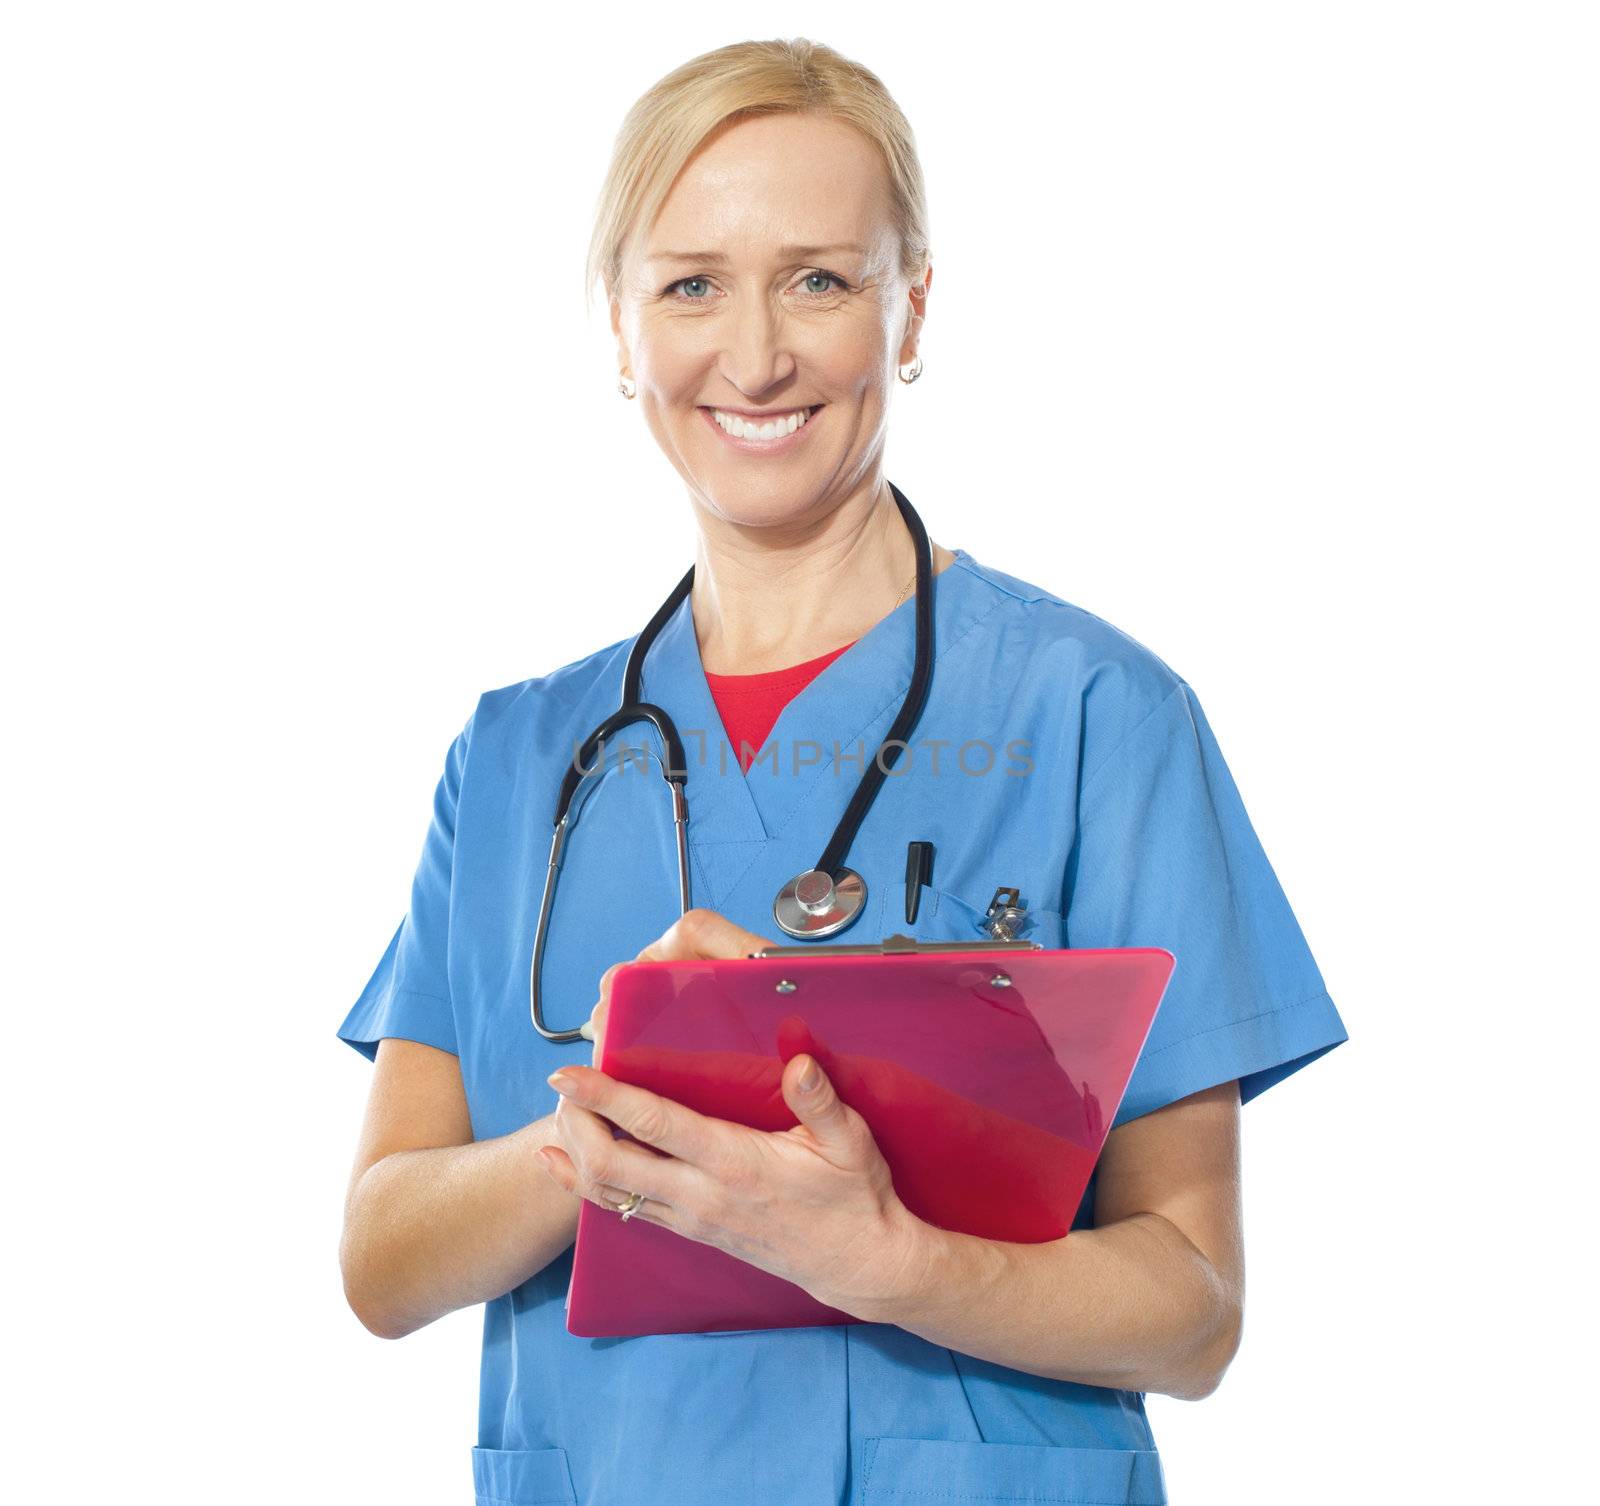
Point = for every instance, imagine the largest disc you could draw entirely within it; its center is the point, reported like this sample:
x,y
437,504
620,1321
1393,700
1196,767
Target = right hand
x,y
698,934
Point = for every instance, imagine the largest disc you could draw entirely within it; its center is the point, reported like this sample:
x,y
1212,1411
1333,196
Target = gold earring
x,y
916,370
623,388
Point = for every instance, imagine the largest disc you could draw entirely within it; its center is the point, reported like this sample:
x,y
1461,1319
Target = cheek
x,y
851,360
669,360
855,365
860,344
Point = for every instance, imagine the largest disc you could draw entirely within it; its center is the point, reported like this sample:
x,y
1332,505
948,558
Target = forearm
x,y
429,1231
1132,1305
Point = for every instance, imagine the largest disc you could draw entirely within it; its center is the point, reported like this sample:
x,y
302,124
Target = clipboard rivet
x,y
785,986
1000,980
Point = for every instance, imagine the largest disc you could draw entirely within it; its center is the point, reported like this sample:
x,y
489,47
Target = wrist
x,y
537,1133
906,1271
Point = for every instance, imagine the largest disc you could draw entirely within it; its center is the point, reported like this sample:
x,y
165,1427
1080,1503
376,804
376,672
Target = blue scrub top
x,y
1055,754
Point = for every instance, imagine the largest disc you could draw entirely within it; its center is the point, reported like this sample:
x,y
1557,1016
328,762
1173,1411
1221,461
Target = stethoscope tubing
x,y
844,834
676,773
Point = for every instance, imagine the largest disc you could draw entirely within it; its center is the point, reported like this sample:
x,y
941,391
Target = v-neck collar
x,y
842,714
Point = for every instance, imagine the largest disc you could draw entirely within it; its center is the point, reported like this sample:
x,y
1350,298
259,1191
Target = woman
x,y
762,243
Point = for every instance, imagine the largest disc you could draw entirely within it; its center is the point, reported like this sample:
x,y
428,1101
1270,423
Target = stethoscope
x,y
823,900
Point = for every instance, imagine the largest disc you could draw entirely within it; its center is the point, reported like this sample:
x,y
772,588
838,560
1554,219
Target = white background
x,y
1266,332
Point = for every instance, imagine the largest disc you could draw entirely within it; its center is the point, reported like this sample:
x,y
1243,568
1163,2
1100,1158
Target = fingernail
x,y
563,1084
810,1077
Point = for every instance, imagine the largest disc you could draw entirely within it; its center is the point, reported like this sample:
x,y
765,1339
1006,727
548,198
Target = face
x,y
768,294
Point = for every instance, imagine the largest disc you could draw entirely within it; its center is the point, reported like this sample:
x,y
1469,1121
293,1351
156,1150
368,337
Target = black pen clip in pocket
x,y
919,875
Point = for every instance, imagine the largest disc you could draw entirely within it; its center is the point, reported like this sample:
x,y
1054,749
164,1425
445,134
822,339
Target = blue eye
x,y
815,274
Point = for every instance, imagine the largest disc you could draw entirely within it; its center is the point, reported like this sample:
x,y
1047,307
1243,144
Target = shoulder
x,y
546,704
1115,680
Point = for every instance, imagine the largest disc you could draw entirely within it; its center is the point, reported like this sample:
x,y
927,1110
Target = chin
x,y
758,507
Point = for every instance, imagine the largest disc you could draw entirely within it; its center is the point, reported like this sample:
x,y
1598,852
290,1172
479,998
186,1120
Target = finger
x,y
612,1199
594,1028
702,934
562,1168
694,1139
603,1195
810,1093
602,1158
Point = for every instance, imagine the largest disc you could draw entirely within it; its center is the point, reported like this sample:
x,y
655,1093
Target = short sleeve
x,y
1166,856
408,994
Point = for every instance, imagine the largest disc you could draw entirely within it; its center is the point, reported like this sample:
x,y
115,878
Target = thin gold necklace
x,y
907,591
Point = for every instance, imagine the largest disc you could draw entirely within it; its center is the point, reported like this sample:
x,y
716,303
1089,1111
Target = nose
x,y
755,355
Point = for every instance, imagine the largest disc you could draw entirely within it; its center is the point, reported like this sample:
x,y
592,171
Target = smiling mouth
x,y
764,430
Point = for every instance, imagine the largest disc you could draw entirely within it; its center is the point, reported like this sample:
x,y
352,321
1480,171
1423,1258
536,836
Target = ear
x,y
918,300
614,303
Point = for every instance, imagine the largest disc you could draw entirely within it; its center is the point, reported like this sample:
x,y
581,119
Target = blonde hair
x,y
673,119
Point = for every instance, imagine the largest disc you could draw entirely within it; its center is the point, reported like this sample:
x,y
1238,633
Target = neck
x,y
766,598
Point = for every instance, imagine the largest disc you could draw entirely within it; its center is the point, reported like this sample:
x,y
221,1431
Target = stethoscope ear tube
x,y
634,671
546,904
889,749
584,763
675,773
829,898
586,760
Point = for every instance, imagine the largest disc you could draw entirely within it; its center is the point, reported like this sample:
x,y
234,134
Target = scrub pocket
x,y
947,916
522,1477
926,1471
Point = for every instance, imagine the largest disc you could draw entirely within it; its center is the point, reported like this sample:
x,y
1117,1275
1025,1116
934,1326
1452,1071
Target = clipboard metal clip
x,y
898,946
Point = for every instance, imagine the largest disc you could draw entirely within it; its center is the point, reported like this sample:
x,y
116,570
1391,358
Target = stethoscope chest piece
x,y
815,904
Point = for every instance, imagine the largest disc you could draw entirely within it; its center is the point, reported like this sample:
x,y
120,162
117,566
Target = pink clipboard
x,y
989,1074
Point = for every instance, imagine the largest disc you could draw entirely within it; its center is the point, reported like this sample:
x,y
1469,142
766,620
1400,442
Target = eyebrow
x,y
716,258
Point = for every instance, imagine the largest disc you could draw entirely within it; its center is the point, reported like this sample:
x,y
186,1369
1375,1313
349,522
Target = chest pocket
x,y
947,916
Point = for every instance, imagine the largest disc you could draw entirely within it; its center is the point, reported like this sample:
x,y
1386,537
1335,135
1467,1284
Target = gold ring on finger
x,y
630,1206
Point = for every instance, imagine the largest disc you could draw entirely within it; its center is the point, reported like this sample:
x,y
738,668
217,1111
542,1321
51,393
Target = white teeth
x,y
744,428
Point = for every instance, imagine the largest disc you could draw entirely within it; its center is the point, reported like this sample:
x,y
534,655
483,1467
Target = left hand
x,y
814,1204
